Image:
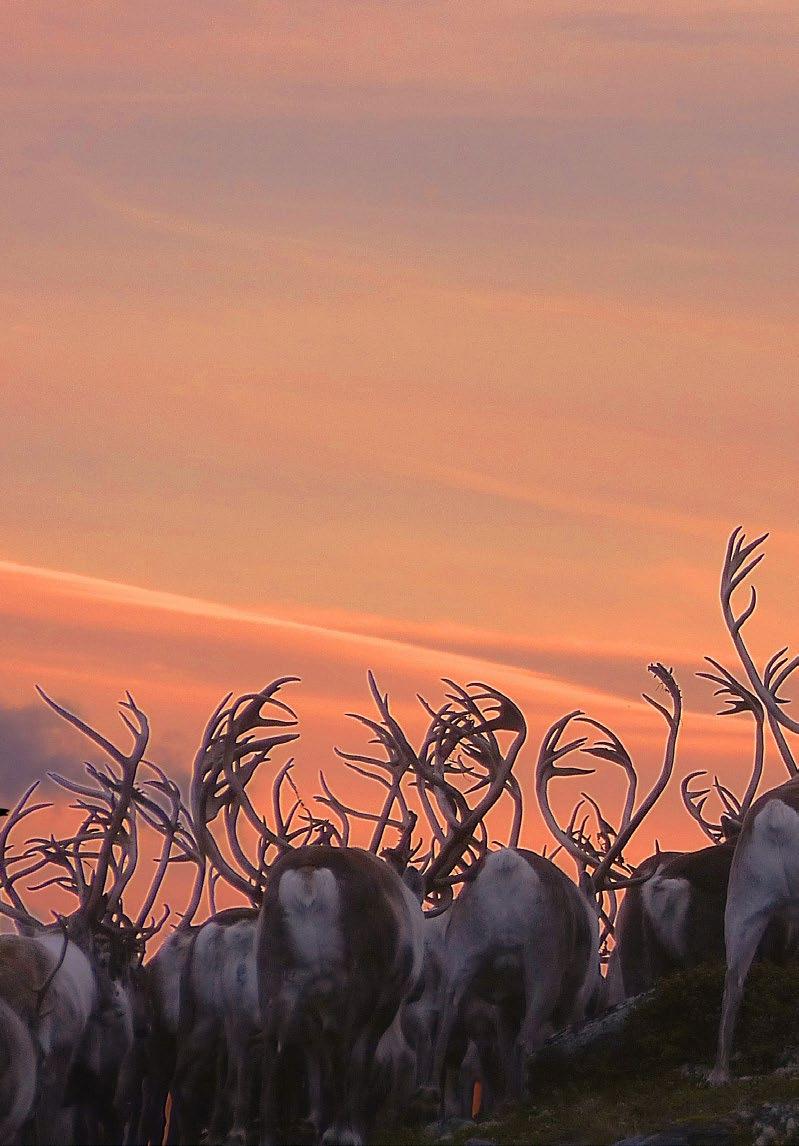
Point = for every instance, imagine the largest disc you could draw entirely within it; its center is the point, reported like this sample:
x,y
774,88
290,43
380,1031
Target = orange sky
x,y
432,338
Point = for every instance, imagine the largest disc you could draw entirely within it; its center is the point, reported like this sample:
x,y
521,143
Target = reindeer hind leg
x,y
742,941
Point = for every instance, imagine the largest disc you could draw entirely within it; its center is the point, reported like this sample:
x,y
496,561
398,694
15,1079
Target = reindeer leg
x,y
160,1059
49,1126
239,1081
452,1041
742,940
542,987
269,1090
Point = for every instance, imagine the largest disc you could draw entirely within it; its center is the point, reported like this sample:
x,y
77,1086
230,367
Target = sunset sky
x,y
437,338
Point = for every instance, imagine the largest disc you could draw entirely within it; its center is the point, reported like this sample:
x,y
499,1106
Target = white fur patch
x,y
765,870
666,902
239,974
311,905
74,979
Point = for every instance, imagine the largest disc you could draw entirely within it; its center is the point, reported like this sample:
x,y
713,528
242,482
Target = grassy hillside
x,y
649,1075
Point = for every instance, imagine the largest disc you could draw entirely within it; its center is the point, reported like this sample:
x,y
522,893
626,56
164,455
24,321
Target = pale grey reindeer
x,y
764,875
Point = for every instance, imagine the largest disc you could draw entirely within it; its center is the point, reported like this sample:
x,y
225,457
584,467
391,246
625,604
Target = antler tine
x,y
776,672
346,810
139,730
731,804
735,571
277,786
214,876
694,802
152,929
508,715
514,790
338,809
736,696
250,870
778,668
480,743
205,807
244,804
78,789
245,714
224,764
606,833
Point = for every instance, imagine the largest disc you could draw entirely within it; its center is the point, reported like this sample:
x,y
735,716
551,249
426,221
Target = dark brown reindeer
x,y
764,875
218,1017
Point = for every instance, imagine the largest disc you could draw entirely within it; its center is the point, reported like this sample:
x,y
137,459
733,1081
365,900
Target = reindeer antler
x,y
459,758
225,762
737,567
467,725
137,724
735,698
21,810
603,867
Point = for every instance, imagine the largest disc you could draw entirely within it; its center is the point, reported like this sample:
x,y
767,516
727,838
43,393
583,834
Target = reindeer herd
x,y
352,980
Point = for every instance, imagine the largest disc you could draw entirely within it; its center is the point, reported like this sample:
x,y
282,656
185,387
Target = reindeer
x,y
114,1064
218,1017
764,875
674,919
77,1004
330,910
521,945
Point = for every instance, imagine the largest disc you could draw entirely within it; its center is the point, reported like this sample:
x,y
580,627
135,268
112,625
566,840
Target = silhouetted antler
x,y
739,563
736,698
601,865
225,762
95,905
